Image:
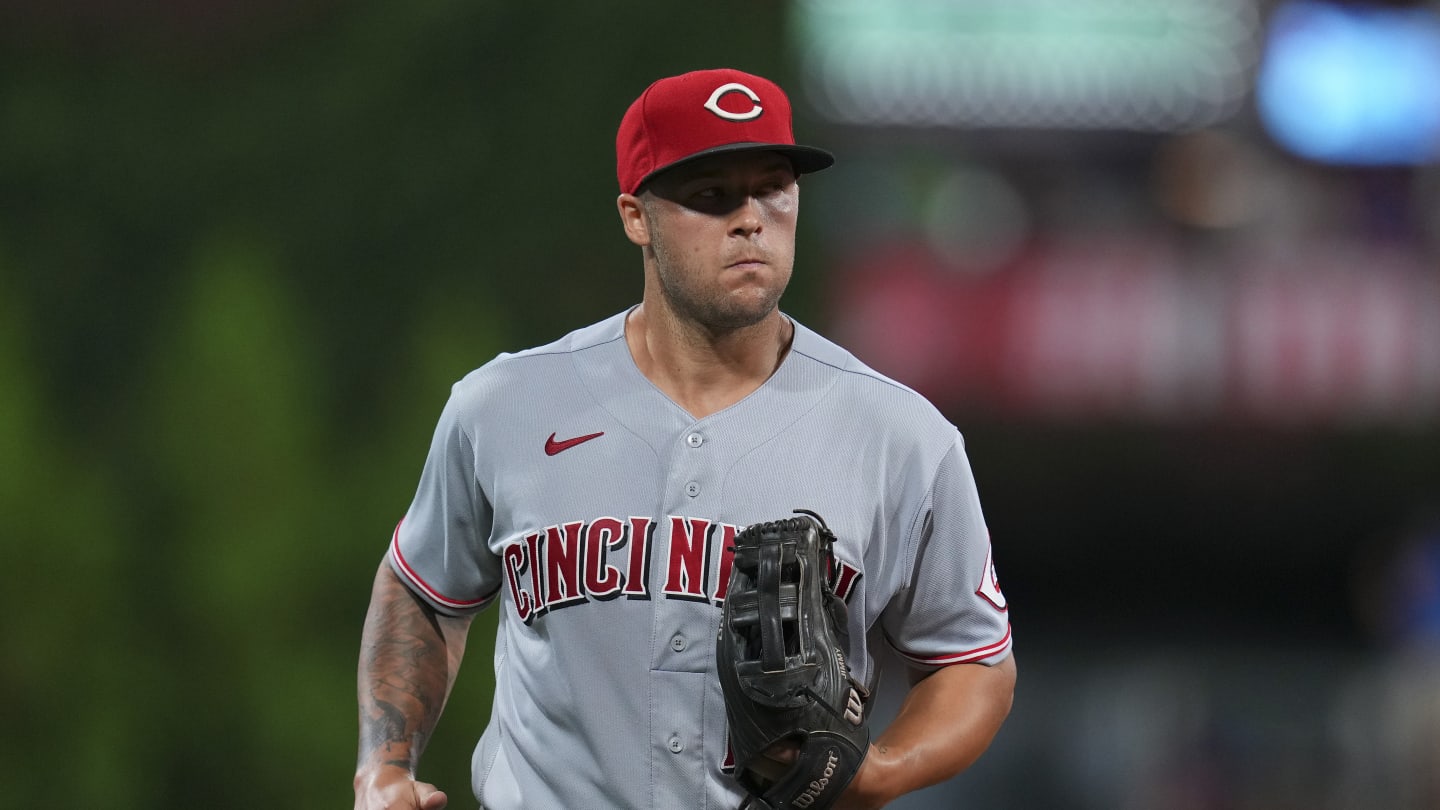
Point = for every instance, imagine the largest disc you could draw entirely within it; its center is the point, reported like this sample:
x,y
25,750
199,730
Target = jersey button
x,y
694,440
678,644
676,746
692,489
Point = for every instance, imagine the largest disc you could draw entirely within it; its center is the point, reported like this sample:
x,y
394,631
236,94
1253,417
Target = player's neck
x,y
700,370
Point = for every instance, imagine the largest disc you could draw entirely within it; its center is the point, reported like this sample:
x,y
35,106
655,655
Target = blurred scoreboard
x,y
1146,65
1337,82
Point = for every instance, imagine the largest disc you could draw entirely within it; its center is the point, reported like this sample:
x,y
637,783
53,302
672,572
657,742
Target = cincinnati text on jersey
x,y
606,558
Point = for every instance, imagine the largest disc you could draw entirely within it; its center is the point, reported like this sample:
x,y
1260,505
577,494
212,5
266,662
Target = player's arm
x,y
953,602
409,656
947,720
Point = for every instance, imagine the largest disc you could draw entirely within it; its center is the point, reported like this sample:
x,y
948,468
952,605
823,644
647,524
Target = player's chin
x,y
748,307
757,290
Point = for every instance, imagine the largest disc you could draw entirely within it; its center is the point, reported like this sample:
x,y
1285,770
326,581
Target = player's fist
x,y
429,797
396,789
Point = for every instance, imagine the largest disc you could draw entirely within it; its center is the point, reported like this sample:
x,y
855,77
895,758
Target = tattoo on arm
x,y
405,675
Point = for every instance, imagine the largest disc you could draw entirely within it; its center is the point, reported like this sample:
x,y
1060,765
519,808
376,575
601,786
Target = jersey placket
x,y
683,621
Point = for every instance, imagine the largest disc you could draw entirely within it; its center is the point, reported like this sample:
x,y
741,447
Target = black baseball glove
x,y
781,659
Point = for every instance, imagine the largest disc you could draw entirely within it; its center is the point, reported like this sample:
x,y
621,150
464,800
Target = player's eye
x,y
776,183
711,199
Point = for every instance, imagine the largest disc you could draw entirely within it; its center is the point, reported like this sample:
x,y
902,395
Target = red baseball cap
x,y
707,112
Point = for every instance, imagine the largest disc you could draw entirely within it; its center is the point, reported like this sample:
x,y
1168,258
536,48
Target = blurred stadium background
x,y
1173,267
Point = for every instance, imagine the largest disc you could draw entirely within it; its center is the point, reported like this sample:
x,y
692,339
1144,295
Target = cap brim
x,y
805,159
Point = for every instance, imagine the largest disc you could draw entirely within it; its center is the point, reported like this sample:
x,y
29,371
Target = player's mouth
x,y
747,263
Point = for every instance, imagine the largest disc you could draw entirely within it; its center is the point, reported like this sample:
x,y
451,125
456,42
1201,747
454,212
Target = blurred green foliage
x,y
242,257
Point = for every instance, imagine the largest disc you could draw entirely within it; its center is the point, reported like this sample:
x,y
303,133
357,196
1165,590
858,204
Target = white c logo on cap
x,y
713,105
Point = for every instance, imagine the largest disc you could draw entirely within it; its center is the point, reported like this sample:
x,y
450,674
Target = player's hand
x,y
774,762
395,789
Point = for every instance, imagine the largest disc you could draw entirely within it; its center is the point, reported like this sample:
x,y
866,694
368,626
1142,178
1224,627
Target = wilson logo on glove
x,y
818,786
854,708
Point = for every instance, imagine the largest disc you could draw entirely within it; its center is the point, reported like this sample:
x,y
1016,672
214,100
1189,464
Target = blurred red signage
x,y
1126,330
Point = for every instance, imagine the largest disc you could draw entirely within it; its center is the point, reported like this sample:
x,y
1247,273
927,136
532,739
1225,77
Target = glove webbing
x,y
772,631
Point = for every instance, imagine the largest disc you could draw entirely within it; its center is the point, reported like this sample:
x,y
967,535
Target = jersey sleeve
x,y
439,548
951,611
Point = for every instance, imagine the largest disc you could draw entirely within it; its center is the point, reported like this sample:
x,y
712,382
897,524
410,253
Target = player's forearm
x,y
409,656
945,723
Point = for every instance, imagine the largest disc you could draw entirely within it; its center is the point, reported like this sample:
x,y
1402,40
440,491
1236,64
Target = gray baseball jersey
x,y
565,486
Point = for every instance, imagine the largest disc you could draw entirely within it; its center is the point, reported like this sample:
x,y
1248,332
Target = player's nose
x,y
745,219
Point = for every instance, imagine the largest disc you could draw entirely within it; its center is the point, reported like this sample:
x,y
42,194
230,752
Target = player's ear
x,y
633,218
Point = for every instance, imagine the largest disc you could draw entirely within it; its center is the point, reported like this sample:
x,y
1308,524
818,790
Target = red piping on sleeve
x,y
966,657
436,596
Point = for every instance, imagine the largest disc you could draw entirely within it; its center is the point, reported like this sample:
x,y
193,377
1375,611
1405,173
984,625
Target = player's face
x,y
722,232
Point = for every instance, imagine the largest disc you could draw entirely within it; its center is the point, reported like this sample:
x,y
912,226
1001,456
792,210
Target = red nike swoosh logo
x,y
552,447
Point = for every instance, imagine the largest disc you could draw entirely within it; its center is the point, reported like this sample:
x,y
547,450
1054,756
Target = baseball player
x,y
590,490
